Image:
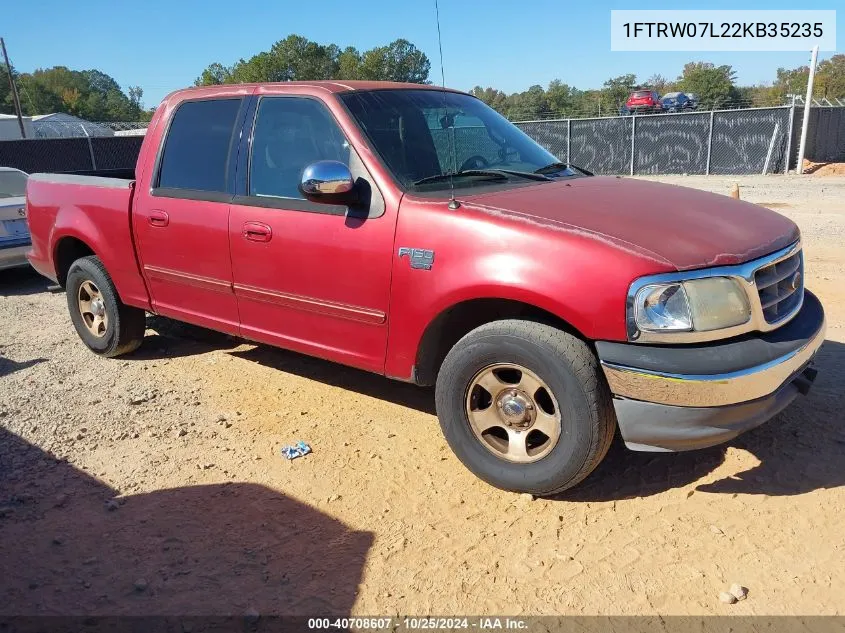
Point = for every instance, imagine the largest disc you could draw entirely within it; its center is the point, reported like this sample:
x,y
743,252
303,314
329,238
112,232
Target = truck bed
x,y
67,212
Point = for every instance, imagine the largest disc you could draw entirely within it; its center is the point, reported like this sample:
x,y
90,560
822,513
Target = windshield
x,y
12,184
414,132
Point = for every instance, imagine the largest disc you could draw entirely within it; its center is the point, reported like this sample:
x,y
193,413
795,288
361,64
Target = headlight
x,y
700,305
663,307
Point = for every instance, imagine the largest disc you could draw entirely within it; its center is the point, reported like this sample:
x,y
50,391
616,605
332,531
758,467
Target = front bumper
x,y
682,397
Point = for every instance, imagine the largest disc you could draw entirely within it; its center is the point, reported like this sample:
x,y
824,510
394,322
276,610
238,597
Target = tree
x,y
297,58
214,75
398,61
496,99
89,94
6,103
531,104
560,97
830,76
617,89
829,82
349,63
659,83
714,85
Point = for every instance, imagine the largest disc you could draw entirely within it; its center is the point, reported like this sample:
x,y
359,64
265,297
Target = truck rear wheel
x,y
524,406
104,323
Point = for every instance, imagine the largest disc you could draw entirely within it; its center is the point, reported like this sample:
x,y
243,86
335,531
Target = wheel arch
x,y
67,250
457,320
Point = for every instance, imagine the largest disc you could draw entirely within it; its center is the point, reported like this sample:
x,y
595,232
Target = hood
x,y
685,228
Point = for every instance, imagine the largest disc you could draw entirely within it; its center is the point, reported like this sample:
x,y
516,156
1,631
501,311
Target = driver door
x,y
308,276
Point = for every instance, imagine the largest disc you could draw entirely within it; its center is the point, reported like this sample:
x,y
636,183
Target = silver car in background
x,y
14,232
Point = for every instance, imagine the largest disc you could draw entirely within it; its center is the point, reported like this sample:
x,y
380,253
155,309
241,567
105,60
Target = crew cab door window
x,y
198,146
291,133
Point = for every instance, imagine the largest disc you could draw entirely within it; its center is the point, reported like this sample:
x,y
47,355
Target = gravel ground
x,y
153,483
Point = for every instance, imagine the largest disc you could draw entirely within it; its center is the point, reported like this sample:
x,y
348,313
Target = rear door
x,y
181,222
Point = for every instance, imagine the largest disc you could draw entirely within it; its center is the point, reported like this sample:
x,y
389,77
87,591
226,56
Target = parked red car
x,y
416,233
644,101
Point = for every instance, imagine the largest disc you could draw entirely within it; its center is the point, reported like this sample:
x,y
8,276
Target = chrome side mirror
x,y
330,182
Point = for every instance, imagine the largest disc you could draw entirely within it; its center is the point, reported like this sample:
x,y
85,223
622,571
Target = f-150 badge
x,y
419,257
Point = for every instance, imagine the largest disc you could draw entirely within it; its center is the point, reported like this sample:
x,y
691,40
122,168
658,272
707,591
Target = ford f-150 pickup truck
x,y
414,232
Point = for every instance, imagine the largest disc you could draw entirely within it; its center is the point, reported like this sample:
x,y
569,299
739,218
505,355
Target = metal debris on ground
x,y
300,449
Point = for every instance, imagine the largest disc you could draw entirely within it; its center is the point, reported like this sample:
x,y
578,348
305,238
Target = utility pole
x,y
13,88
802,146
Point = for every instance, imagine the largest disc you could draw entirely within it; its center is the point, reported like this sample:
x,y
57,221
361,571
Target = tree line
x,y
715,87
89,94
95,96
298,58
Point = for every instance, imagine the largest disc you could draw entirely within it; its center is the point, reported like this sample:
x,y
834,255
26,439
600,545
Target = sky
x,y
165,45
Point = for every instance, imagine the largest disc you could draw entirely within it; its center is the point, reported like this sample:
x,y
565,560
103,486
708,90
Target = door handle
x,y
158,218
257,232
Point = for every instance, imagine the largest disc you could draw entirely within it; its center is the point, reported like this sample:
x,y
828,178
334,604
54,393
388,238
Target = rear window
x,y
197,148
642,93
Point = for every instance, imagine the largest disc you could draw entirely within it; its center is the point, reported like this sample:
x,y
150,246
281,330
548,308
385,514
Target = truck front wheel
x,y
525,407
104,323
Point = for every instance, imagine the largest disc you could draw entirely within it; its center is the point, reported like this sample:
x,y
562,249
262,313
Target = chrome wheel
x,y
513,413
92,307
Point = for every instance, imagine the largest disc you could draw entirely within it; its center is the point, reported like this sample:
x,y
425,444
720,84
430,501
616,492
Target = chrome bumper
x,y
711,390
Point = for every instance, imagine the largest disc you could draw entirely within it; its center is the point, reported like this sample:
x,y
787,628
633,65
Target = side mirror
x,y
328,182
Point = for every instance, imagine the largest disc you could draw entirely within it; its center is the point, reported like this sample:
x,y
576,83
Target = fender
x,y
557,271
110,239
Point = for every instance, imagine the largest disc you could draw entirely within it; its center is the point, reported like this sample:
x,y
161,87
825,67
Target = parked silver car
x,y
14,232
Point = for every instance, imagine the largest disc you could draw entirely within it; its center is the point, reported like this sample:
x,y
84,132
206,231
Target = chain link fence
x,y
730,142
76,146
750,141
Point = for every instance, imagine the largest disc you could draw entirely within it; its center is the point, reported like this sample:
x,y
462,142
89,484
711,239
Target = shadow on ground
x,y
22,281
800,450
228,549
9,366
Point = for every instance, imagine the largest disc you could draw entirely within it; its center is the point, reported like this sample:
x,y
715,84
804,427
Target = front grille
x,y
781,287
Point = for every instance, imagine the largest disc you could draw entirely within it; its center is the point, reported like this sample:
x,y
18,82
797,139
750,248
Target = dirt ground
x,y
824,169
154,484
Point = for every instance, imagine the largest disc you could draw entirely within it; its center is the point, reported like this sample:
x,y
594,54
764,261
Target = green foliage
x,y
89,94
298,58
617,89
713,84
829,82
659,83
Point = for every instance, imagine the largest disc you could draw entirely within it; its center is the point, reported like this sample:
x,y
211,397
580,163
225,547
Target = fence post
x,y
802,144
90,147
568,141
633,136
771,148
709,145
788,156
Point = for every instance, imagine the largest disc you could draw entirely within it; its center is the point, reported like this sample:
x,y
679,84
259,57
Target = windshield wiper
x,y
555,167
492,174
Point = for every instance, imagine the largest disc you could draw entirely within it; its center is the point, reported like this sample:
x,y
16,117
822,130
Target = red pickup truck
x,y
413,232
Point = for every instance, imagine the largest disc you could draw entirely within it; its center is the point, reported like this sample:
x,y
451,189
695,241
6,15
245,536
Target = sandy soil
x,y
154,484
824,169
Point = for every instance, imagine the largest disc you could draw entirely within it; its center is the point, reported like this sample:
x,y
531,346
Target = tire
x,y
109,327
566,365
